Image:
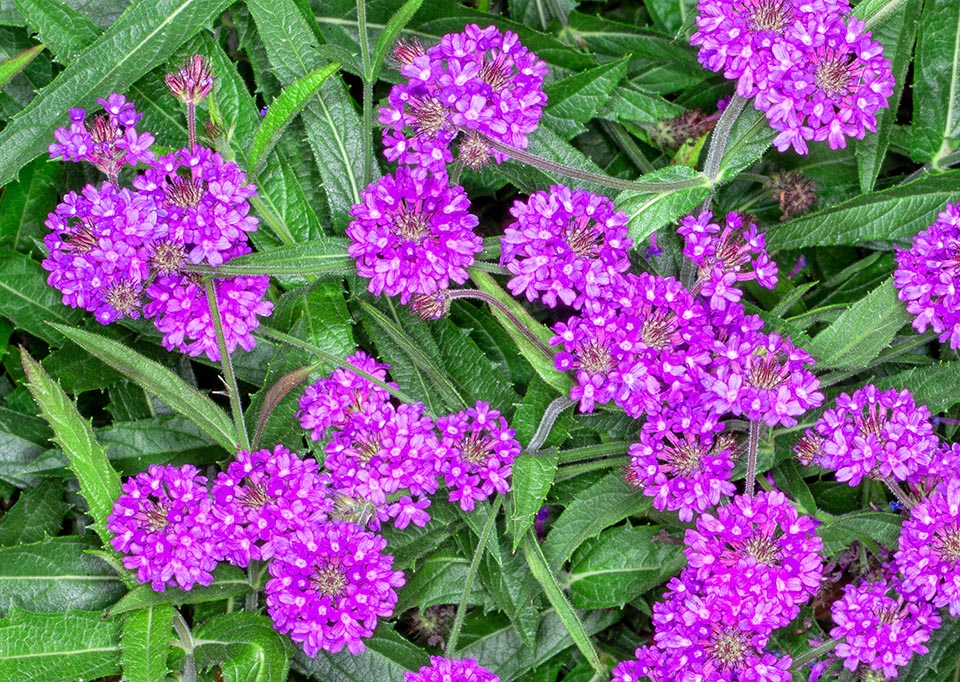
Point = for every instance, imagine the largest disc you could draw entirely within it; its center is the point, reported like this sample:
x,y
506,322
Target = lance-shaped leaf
x,y
65,31
245,646
228,581
388,37
28,301
17,63
574,100
296,264
145,642
936,83
649,210
37,514
532,476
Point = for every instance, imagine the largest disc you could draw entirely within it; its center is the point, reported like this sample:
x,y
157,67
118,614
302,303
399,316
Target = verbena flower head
x,y
413,234
108,141
98,257
329,585
880,631
192,81
451,670
927,275
875,434
479,81
263,495
929,554
758,546
726,256
830,79
327,403
564,244
478,452
683,464
162,524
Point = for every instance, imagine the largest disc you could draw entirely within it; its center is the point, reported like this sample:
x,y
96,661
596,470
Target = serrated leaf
x,y
531,478
509,583
936,85
896,213
12,66
606,502
141,38
283,110
228,581
940,662
388,36
297,264
38,513
471,370
540,13
145,643
245,646
858,336
621,564
99,482
937,386
23,438
55,574
64,30
866,526
387,658
132,446
25,204
27,300
40,647
750,137
683,189
161,382
576,99
630,103
439,579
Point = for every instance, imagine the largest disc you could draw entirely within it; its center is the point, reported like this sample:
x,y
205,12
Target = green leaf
x,y
575,100
540,13
532,478
606,502
159,381
40,647
749,139
64,30
564,610
132,446
99,482
38,513
55,574
246,646
25,204
936,83
387,658
228,582
333,126
866,526
28,301
648,211
297,264
439,579
145,642
621,564
937,386
631,104
896,213
388,36
511,585
897,35
940,662
23,438
141,38
17,63
474,374
282,111
861,332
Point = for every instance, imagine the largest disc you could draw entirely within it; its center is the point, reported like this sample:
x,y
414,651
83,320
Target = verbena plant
x,y
538,340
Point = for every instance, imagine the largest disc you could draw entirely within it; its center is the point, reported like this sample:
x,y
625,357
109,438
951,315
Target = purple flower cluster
x,y
481,81
111,247
816,75
450,670
926,277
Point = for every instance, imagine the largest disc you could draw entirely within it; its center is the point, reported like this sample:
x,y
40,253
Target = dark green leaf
x,y
388,36
631,104
532,478
936,84
937,386
749,139
297,264
621,564
574,100
246,646
27,300
439,579
475,376
386,658
939,664
867,526
895,213
25,204
41,647
64,30
56,574
142,38
228,581
684,188
539,13
509,583
161,382
38,513
145,642
132,446
23,438
99,482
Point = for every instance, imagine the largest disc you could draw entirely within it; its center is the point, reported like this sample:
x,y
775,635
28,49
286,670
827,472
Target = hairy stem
x,y
493,301
905,499
229,377
367,92
554,409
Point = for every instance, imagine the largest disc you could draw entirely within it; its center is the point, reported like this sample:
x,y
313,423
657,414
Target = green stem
x,y
496,303
367,92
554,409
229,378
629,147
471,577
192,125
752,448
720,137
250,602
570,172
882,13
813,654
187,642
588,452
898,492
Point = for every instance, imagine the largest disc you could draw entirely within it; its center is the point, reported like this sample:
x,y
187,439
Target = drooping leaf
x,y
145,643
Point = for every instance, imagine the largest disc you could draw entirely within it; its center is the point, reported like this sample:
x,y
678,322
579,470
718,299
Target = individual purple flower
x,y
685,465
944,465
162,524
262,496
98,256
726,256
829,79
875,434
478,452
179,303
926,277
329,584
204,203
412,233
929,554
880,631
327,403
107,141
564,243
450,670
759,545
